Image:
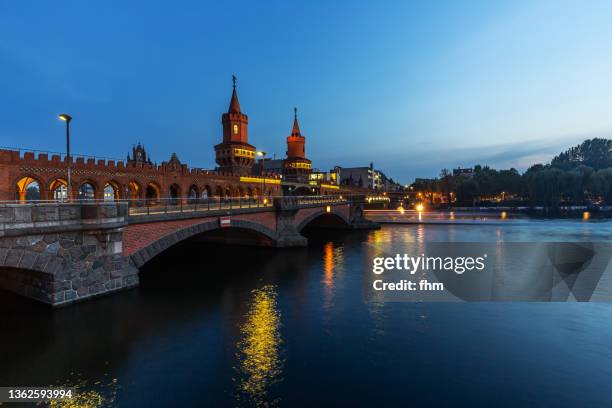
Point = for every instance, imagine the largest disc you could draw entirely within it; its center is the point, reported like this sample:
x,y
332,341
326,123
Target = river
x,y
239,326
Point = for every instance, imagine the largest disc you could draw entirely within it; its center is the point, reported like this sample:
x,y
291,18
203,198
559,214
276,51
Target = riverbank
x,y
472,216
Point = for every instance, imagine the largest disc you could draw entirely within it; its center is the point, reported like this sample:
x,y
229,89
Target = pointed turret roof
x,y
234,106
296,127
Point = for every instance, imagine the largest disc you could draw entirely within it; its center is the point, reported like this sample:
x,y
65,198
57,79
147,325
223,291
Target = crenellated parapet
x,y
115,179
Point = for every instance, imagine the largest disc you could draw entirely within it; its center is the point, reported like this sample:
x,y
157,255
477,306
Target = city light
x,y
400,209
504,215
328,209
420,207
586,215
259,180
65,117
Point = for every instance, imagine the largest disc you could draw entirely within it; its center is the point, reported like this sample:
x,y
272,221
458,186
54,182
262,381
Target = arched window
x,y
59,189
218,191
28,189
206,192
193,194
133,190
110,192
87,192
152,193
174,193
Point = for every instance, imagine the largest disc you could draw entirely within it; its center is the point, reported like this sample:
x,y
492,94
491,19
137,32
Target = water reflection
x,y
98,394
328,267
259,360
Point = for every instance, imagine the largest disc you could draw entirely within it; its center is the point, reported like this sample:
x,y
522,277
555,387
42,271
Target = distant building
x,y
270,166
366,177
356,176
467,172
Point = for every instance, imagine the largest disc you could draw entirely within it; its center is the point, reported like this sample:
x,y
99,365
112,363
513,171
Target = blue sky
x,y
411,86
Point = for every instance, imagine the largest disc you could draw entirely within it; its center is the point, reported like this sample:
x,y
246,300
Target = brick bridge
x,y
59,253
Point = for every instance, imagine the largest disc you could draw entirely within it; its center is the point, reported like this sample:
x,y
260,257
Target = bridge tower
x,y
235,155
296,167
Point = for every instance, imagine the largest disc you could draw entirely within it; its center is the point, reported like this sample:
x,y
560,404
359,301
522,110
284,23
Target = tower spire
x,y
234,104
296,127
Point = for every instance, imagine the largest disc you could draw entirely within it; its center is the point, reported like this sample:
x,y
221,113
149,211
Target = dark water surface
x,y
235,326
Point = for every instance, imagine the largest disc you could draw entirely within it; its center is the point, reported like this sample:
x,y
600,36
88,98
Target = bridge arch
x,y
152,192
332,219
206,192
193,193
145,254
133,190
88,190
219,191
58,189
112,190
28,188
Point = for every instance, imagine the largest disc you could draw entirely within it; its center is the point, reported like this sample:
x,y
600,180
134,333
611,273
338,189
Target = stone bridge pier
x,y
59,253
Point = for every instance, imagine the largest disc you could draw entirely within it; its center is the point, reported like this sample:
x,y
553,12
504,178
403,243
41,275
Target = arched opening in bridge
x,y
132,191
246,235
111,191
193,194
228,192
174,194
249,192
59,190
302,191
219,191
87,192
240,191
324,220
152,193
28,189
206,192
257,192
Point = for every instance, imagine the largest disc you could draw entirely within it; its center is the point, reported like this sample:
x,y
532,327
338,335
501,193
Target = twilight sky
x,y
413,86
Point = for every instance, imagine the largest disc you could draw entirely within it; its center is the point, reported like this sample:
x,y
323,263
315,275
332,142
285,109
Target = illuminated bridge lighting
x,y
259,180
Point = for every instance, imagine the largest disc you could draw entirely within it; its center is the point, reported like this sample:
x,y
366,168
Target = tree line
x,y
580,175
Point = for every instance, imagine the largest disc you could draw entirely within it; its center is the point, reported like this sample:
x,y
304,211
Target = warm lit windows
x,y
244,153
235,129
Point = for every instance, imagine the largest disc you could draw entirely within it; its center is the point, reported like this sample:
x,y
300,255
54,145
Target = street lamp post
x,y
262,156
67,118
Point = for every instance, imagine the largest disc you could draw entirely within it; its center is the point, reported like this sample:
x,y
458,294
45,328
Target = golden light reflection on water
x,y
259,361
333,263
87,394
328,265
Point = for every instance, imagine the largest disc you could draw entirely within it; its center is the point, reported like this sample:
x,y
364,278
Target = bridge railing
x,y
138,207
178,205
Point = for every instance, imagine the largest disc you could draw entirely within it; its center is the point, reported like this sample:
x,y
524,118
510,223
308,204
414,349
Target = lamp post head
x,y
261,154
65,117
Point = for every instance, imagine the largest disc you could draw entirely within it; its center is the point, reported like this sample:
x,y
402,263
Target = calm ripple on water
x,y
226,326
